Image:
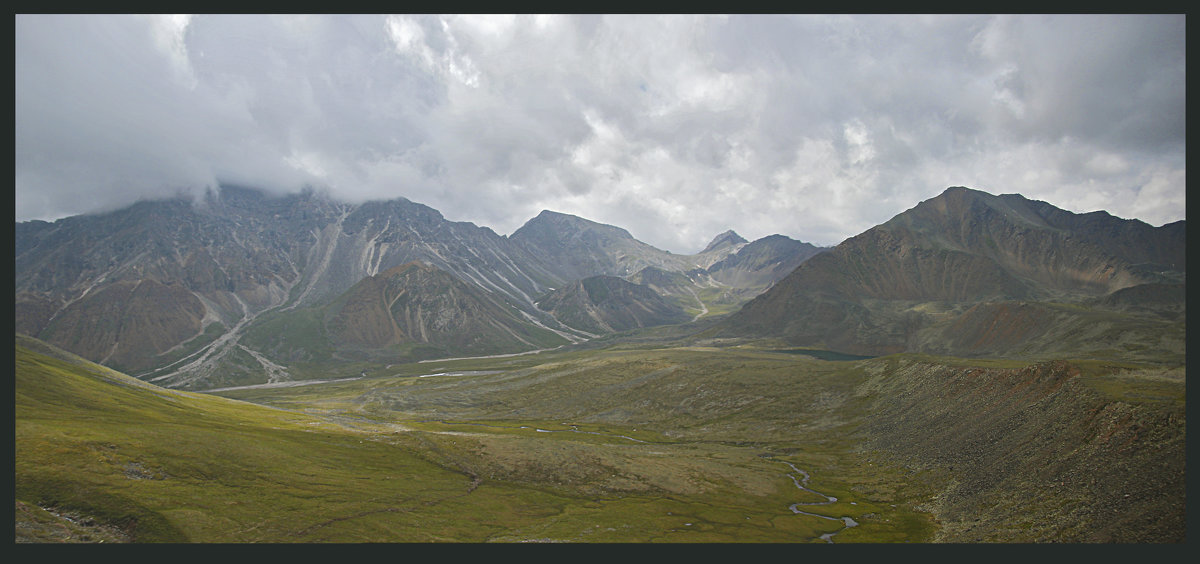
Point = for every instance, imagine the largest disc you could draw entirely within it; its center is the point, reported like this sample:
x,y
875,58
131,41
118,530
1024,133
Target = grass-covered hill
x,y
102,456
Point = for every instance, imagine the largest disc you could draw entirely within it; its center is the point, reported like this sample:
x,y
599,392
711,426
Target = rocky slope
x,y
608,304
418,303
219,262
726,239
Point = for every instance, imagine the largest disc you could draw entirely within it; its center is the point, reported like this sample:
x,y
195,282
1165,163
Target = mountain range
x,y
241,286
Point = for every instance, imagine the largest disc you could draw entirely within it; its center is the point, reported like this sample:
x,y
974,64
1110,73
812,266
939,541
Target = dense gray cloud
x,y
674,127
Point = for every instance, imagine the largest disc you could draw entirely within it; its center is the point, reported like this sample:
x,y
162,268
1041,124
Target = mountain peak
x,y
558,225
547,214
725,239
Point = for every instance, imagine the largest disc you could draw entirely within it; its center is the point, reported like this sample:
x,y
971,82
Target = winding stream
x,y
800,483
799,477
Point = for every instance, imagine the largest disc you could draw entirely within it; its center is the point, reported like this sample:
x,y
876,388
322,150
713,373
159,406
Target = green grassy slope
x,y
145,464
638,444
162,465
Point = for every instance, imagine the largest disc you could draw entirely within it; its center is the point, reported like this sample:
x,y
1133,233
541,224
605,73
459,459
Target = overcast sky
x,y
673,127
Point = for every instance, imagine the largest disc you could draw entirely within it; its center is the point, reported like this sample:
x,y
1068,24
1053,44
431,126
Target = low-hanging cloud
x,y
674,127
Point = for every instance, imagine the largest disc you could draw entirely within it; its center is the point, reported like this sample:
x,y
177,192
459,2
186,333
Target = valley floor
x,y
681,444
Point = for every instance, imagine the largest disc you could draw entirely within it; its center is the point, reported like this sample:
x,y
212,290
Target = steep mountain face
x,y
607,304
892,287
417,303
128,321
1053,251
131,286
378,235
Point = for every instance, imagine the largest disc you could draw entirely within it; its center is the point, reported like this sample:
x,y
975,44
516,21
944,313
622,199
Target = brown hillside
x,y
128,323
1052,452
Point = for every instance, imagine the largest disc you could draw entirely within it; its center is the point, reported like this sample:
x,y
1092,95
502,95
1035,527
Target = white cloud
x,y
169,30
674,127
1158,198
